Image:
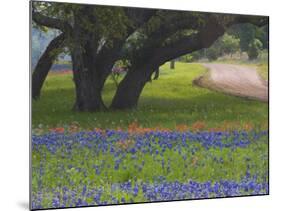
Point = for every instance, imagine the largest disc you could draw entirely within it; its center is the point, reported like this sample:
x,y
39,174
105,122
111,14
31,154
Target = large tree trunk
x,y
86,76
44,64
88,81
90,72
88,93
130,88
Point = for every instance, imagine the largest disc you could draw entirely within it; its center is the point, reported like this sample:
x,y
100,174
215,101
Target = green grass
x,y
166,102
263,70
169,101
204,169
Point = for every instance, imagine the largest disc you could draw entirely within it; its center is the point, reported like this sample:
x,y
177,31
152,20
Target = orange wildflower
x,y
181,127
199,125
57,130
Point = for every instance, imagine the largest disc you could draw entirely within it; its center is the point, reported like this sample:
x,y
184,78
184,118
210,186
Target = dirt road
x,y
235,80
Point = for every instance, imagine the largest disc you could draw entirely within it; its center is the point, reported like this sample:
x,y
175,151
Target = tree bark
x,y
172,64
44,64
90,73
88,93
156,74
88,81
130,88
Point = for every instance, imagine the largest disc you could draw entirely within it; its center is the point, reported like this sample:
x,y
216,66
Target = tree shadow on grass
x,y
55,108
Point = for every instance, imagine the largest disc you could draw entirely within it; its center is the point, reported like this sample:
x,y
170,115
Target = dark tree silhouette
x,y
44,64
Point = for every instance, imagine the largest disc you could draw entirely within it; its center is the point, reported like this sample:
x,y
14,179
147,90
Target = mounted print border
x,y
137,105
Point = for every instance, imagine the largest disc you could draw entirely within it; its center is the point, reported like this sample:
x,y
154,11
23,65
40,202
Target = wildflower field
x,y
183,142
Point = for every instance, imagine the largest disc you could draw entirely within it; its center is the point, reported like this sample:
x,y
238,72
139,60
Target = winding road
x,y
235,80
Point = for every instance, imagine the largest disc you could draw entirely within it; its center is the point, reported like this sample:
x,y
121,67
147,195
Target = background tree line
x,y
239,38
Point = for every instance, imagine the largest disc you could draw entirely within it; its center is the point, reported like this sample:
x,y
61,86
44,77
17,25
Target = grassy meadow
x,y
167,102
182,142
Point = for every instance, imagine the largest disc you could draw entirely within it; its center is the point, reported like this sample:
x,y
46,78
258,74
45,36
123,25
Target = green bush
x,y
254,49
229,44
192,57
186,58
212,53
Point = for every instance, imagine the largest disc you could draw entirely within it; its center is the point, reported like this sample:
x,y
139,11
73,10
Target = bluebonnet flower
x,y
136,190
137,156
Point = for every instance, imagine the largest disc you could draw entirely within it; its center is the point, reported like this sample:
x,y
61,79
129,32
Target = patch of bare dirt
x,y
234,80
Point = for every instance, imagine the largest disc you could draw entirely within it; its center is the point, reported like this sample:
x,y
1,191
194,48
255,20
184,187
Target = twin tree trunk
x,y
88,81
44,64
90,72
88,91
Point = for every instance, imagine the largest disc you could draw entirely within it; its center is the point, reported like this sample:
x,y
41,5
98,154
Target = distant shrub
x,y
254,49
192,57
186,58
196,55
229,44
212,54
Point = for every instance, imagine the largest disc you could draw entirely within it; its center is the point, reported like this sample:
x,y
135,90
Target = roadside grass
x,y
263,70
167,102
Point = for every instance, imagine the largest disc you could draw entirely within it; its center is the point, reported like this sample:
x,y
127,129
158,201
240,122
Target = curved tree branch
x,y
139,16
50,22
205,37
152,56
44,64
258,21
